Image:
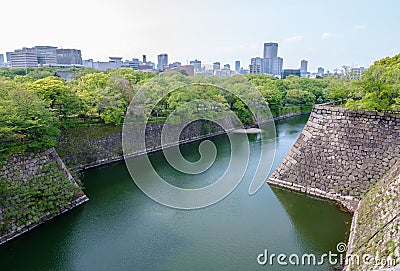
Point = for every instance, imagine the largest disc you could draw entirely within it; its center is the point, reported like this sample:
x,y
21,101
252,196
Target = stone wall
x,y
34,188
375,227
89,146
352,157
340,154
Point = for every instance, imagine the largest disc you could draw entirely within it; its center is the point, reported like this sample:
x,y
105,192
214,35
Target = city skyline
x,y
326,35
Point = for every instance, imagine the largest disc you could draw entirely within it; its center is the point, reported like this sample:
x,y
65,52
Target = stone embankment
x,y
34,188
352,157
340,154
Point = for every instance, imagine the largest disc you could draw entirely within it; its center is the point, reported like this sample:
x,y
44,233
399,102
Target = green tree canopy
x,y
299,97
379,86
25,122
57,94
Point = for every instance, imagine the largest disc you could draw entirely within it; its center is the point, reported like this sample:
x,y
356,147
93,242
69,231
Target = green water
x,y
122,229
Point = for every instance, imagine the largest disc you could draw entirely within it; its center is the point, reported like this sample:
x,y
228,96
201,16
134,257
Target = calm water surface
x,y
122,229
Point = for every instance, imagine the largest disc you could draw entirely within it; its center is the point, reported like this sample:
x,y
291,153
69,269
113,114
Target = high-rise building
x,y
70,57
270,50
320,71
216,66
276,66
23,58
144,60
2,63
162,61
257,65
8,55
196,64
227,67
47,55
272,64
303,66
237,66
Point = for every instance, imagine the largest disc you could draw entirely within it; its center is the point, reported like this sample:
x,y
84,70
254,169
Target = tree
x,y
57,94
272,95
379,86
134,77
298,96
25,122
101,98
338,89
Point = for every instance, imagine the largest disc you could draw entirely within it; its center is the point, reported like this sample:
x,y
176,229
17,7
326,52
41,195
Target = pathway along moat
x,y
122,229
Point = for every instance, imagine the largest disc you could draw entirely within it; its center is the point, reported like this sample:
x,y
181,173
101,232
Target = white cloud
x,y
326,35
296,38
360,27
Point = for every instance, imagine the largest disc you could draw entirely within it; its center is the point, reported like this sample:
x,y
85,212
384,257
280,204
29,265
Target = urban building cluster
x,y
42,56
270,63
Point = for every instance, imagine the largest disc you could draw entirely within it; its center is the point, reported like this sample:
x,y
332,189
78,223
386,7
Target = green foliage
x,y
379,87
25,122
134,77
26,202
34,103
101,97
298,96
301,90
57,94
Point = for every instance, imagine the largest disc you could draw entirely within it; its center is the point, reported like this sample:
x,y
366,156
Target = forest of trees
x,y
35,105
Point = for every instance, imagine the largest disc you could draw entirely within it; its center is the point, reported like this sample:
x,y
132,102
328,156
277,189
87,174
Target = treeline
x,y
35,104
293,91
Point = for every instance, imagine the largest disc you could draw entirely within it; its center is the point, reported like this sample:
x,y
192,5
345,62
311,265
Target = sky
x,y
329,34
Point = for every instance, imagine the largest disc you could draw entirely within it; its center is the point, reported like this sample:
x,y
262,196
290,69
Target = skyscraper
x,y
320,71
216,66
276,66
2,63
162,61
303,69
237,66
272,64
270,50
303,66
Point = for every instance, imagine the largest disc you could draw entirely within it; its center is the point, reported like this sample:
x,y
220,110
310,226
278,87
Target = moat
x,y
122,229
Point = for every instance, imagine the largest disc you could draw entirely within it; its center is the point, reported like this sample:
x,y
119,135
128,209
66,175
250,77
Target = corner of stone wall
x,y
340,153
19,167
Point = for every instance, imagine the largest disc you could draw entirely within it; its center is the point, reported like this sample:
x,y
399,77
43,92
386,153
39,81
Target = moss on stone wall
x,y
375,231
26,202
33,187
87,143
